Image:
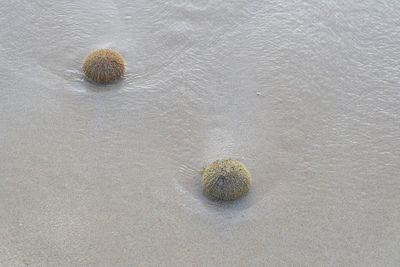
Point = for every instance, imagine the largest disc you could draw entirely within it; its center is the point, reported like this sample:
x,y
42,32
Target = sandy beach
x,y
306,94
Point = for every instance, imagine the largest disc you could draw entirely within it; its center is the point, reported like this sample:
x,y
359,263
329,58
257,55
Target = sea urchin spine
x,y
104,66
226,179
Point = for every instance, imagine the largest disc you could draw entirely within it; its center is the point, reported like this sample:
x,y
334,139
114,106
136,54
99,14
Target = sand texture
x,y
305,93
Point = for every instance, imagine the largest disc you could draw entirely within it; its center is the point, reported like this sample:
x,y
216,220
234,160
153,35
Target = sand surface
x,y
305,93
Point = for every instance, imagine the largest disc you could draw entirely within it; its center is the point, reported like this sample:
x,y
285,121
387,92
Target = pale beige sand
x,y
306,94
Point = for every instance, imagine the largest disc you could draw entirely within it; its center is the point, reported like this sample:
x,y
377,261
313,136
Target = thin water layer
x,y
304,93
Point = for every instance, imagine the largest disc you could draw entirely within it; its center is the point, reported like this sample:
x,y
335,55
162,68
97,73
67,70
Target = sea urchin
x,y
226,179
104,66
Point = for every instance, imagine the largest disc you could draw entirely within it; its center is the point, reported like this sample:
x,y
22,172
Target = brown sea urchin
x,y
104,66
226,179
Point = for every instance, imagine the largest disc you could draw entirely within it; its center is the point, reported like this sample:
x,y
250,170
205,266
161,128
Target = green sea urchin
x,y
104,66
226,179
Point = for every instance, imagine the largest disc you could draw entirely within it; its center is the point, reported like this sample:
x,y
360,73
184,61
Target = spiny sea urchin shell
x,y
104,66
226,179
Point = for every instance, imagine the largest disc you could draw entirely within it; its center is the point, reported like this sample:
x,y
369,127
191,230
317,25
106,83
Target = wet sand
x,y
305,94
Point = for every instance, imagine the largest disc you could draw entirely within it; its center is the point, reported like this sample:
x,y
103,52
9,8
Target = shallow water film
x,y
305,93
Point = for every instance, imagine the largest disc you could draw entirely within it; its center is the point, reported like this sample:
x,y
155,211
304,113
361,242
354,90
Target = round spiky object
x,y
104,66
226,179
